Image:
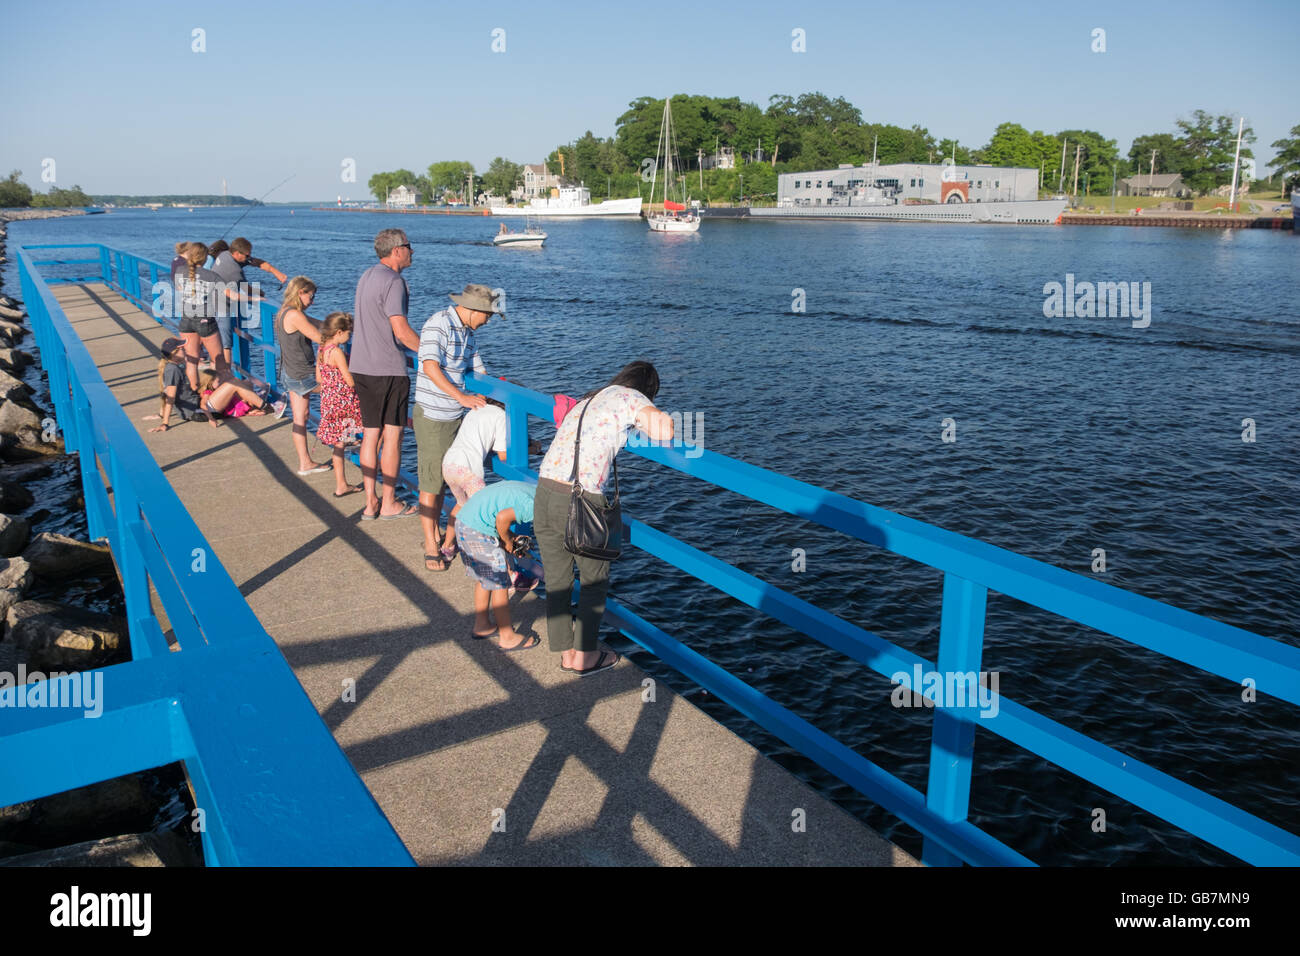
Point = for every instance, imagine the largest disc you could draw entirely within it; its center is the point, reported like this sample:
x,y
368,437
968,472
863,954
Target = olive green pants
x,y
550,516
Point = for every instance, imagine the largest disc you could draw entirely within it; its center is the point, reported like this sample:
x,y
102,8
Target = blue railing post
x,y
135,581
517,444
105,266
270,358
961,649
84,429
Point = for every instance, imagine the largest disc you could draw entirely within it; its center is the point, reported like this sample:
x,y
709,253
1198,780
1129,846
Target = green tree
x,y
1096,160
502,176
783,121
381,184
1170,153
1210,143
14,193
449,176
1012,145
62,198
1286,162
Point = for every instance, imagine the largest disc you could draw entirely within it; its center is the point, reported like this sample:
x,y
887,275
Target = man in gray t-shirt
x,y
378,365
229,265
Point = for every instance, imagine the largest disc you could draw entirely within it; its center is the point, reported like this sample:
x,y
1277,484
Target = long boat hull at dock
x,y
1038,212
610,207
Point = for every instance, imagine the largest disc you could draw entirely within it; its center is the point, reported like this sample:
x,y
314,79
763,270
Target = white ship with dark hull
x,y
571,202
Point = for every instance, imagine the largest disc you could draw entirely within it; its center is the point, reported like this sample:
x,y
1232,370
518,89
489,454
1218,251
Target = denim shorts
x,y
299,386
223,329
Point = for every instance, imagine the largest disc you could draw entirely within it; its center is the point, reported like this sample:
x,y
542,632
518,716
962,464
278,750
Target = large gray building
x,y
925,182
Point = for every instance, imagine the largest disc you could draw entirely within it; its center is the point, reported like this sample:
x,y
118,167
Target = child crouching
x,y
485,540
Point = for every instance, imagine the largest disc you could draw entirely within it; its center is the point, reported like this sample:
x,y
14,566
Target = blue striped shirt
x,y
447,341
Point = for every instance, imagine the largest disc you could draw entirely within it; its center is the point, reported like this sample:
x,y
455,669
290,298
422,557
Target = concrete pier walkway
x,y
476,756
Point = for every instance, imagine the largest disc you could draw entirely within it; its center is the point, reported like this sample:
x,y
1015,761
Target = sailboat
x,y
671,219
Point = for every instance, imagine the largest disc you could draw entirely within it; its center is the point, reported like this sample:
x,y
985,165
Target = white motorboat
x,y
530,238
675,216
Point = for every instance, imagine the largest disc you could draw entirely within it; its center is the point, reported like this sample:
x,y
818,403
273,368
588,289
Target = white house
x,y
401,196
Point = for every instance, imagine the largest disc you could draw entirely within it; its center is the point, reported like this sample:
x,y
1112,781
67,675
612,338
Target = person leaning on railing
x,y
228,262
613,411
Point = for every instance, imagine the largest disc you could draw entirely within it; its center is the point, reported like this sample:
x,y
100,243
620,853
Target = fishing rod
x,y
254,205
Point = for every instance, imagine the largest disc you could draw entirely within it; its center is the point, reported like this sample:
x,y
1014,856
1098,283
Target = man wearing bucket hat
x,y
447,351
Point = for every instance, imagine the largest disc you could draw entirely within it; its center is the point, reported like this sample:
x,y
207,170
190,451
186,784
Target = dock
x,y
476,757
1179,221
412,211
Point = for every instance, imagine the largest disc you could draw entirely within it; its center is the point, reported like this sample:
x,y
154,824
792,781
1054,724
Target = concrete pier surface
x,y
475,755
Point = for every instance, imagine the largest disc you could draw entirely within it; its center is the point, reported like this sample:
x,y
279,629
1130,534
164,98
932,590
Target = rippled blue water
x,y
1072,434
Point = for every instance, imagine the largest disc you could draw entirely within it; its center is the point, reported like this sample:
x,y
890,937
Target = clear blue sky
x,y
115,95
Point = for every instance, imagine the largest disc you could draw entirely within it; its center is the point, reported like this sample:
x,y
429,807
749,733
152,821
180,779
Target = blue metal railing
x,y
272,784
971,569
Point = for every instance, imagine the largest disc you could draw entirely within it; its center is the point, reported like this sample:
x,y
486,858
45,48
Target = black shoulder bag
x,y
587,532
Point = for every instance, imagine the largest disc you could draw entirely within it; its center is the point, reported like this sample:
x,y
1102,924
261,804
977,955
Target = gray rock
x,y
8,598
12,314
13,535
120,805
31,472
15,360
15,573
27,447
56,556
132,849
14,497
15,419
11,387
62,637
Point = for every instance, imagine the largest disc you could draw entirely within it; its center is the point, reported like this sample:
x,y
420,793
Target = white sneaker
x,y
279,408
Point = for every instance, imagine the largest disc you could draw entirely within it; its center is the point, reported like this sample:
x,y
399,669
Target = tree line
x,y
16,194
814,131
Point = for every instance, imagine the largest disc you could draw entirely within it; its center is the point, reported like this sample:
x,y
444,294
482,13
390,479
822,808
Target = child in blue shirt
x,y
487,543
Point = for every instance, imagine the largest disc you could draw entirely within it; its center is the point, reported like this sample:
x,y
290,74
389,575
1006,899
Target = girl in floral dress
x,y
340,411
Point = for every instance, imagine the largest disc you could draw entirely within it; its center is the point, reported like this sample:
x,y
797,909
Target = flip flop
x,y
367,516
529,642
435,557
600,665
409,512
351,491
318,470
484,637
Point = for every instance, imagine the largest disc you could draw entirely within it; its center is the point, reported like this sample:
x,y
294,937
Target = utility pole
x,y
1060,186
1151,175
1114,185
701,154
1078,148
1232,198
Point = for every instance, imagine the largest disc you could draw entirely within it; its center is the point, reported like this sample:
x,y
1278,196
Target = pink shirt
x,y
604,431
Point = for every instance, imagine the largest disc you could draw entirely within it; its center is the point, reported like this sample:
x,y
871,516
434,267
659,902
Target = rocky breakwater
x,y
10,215
61,613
